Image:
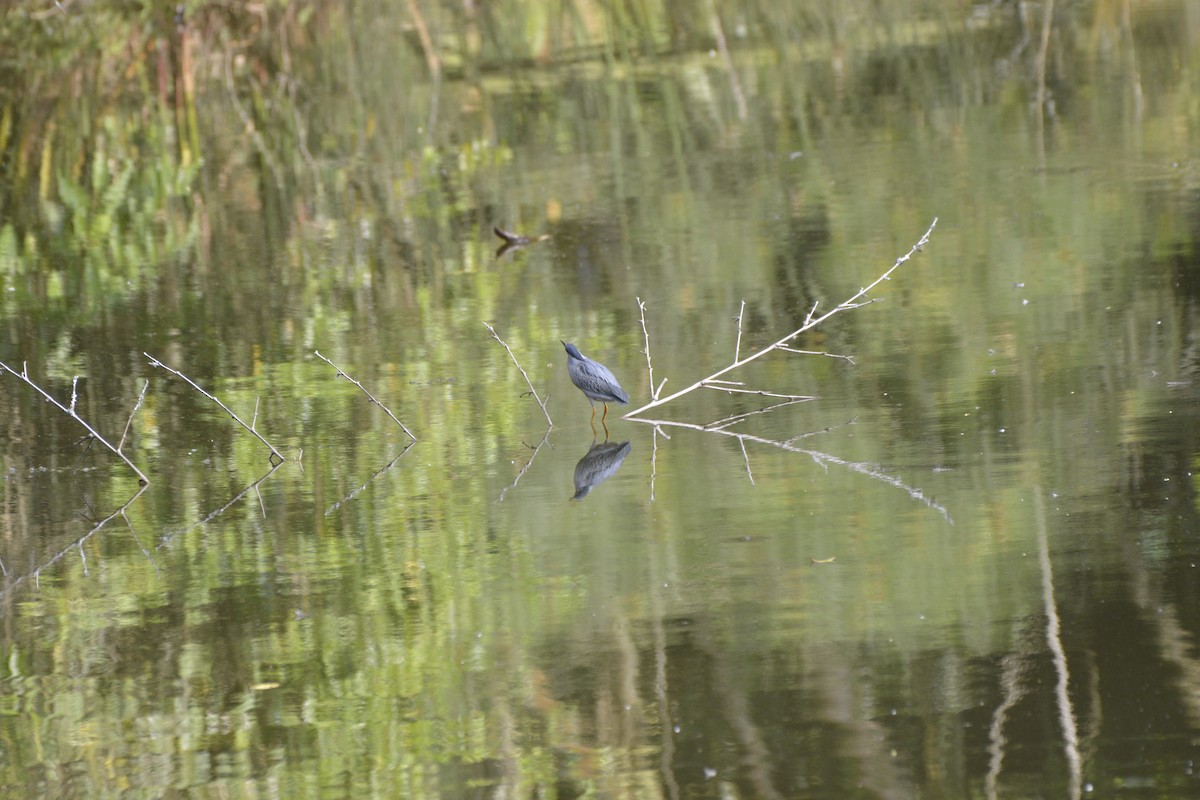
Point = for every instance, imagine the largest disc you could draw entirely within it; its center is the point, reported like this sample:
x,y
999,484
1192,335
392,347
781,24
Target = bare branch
x,y
154,362
136,406
341,374
788,349
736,418
759,392
821,459
854,301
737,347
649,366
24,376
746,458
524,375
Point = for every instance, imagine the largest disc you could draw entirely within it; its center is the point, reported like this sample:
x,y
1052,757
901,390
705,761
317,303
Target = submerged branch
x,y
154,362
75,545
342,374
369,480
524,375
820,458
70,412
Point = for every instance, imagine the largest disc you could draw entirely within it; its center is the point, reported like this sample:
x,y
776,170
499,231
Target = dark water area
x,y
949,550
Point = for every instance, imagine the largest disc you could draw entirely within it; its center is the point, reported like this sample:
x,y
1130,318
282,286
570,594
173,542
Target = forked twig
x,y
24,376
811,320
342,374
524,375
154,362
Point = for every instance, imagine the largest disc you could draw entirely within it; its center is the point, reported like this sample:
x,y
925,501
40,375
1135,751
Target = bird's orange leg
x,y
605,416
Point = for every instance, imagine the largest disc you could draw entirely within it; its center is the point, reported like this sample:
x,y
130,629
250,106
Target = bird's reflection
x,y
598,465
515,241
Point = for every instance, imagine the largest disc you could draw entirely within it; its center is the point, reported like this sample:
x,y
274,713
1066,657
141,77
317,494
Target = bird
x,y
512,241
594,380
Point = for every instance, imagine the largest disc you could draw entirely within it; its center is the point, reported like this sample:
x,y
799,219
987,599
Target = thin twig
x,y
136,406
524,469
154,362
736,418
166,540
788,349
24,376
746,458
737,347
653,462
821,459
342,374
759,392
810,321
369,480
528,382
78,543
649,365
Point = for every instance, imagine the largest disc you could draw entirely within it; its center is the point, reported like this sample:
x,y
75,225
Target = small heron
x,y
594,380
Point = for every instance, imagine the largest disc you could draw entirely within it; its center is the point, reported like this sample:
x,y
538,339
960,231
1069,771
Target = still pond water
x,y
967,568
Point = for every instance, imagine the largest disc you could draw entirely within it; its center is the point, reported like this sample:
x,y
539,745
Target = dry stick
x,y
528,382
815,353
154,362
810,321
24,375
822,459
737,347
746,458
136,406
759,392
341,374
524,469
654,392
